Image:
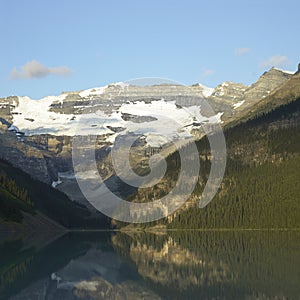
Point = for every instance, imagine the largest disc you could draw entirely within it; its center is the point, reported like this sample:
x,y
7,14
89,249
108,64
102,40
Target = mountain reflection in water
x,y
176,265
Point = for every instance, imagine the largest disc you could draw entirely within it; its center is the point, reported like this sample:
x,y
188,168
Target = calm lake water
x,y
177,265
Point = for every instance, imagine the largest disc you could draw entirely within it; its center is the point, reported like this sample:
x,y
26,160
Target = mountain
x,y
243,97
115,105
37,135
260,188
288,92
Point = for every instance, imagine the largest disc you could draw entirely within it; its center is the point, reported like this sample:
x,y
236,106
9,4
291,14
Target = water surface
x,y
177,265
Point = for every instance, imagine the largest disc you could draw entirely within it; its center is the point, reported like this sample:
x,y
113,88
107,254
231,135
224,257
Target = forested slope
x,y
20,193
261,185
260,188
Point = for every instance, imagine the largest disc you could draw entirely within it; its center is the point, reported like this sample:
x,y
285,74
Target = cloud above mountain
x,y
35,69
241,51
274,61
207,72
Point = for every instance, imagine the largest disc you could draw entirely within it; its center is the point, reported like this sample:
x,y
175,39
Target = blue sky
x,y
52,46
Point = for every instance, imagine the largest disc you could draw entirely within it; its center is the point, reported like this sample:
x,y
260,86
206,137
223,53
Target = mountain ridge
x,y
48,157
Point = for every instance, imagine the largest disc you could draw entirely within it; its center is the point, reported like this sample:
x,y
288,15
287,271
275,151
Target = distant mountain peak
x,y
277,71
229,89
283,71
206,91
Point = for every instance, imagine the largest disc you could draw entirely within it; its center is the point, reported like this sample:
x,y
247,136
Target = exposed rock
x,y
137,119
266,83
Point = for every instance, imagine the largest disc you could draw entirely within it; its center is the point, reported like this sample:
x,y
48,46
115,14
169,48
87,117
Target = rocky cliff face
x,y
7,106
266,84
40,156
27,158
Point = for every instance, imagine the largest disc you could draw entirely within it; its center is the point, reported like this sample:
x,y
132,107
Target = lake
x,y
173,265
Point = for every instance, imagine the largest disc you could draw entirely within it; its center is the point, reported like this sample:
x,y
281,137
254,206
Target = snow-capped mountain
x,y
114,106
122,105
36,135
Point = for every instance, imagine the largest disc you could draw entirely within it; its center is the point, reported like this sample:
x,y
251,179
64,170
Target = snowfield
x,y
169,121
238,104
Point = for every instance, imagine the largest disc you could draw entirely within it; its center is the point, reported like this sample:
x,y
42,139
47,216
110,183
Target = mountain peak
x,y
206,91
282,71
273,77
229,89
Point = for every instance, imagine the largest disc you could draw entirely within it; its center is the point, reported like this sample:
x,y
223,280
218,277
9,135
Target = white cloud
x,y
207,72
241,51
34,69
274,61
